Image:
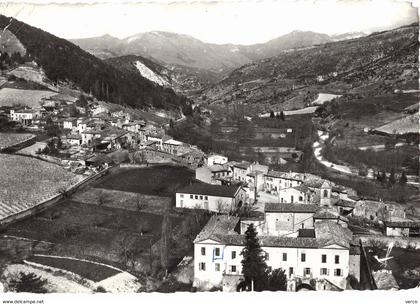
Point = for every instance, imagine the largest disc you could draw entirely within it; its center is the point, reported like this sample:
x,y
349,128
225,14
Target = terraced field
x,y
26,181
408,124
11,139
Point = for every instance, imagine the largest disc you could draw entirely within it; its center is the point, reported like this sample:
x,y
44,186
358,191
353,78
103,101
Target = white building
x,y
218,247
24,116
216,159
212,174
275,180
172,146
210,197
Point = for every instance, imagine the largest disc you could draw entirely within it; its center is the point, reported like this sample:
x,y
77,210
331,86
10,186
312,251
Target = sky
x,y
236,21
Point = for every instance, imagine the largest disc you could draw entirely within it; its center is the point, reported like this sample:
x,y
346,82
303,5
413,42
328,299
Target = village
x,y
320,233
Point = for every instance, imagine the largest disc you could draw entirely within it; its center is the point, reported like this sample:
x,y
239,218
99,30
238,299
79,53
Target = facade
x,y
275,180
240,171
214,198
402,228
298,194
172,146
24,116
217,253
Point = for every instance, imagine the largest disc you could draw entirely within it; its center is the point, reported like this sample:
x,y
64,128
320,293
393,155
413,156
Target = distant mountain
x,y
346,36
63,61
184,50
375,64
182,79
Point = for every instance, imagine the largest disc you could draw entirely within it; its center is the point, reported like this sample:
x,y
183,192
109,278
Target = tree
x,y
391,178
277,280
403,179
28,282
272,115
165,242
282,116
254,267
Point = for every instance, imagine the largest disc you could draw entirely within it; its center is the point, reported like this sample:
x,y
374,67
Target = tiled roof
x,y
402,224
242,165
345,203
328,215
334,233
306,233
218,224
211,190
290,208
218,168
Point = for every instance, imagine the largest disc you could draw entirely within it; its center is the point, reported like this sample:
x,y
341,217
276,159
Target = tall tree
x,y
403,179
391,178
272,115
277,280
254,267
165,242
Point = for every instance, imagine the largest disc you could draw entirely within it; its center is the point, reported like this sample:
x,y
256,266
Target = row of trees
x,y
391,179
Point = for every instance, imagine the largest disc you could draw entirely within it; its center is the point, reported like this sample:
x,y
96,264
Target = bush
x,y
29,282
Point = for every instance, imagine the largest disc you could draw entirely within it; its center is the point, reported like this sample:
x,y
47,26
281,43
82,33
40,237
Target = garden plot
x,y
25,182
30,98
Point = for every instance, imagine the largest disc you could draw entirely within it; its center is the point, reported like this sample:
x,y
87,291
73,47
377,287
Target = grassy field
x,y
405,264
157,180
91,271
90,225
30,98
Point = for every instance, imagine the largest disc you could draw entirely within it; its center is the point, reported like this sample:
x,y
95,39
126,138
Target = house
x,y
89,136
216,159
69,123
213,174
24,116
287,219
214,198
321,259
275,180
402,228
73,139
298,194
240,171
172,146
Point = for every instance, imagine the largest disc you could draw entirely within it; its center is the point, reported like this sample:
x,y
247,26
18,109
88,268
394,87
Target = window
x,y
307,271
267,256
282,200
201,197
182,195
206,198
325,193
324,271
269,268
290,271
324,258
284,256
217,267
233,255
196,197
338,272
202,266
233,268
300,198
303,257
203,250
216,251
291,198
191,196
337,259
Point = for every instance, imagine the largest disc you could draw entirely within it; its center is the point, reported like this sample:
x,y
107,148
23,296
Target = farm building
x,y
214,198
402,228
